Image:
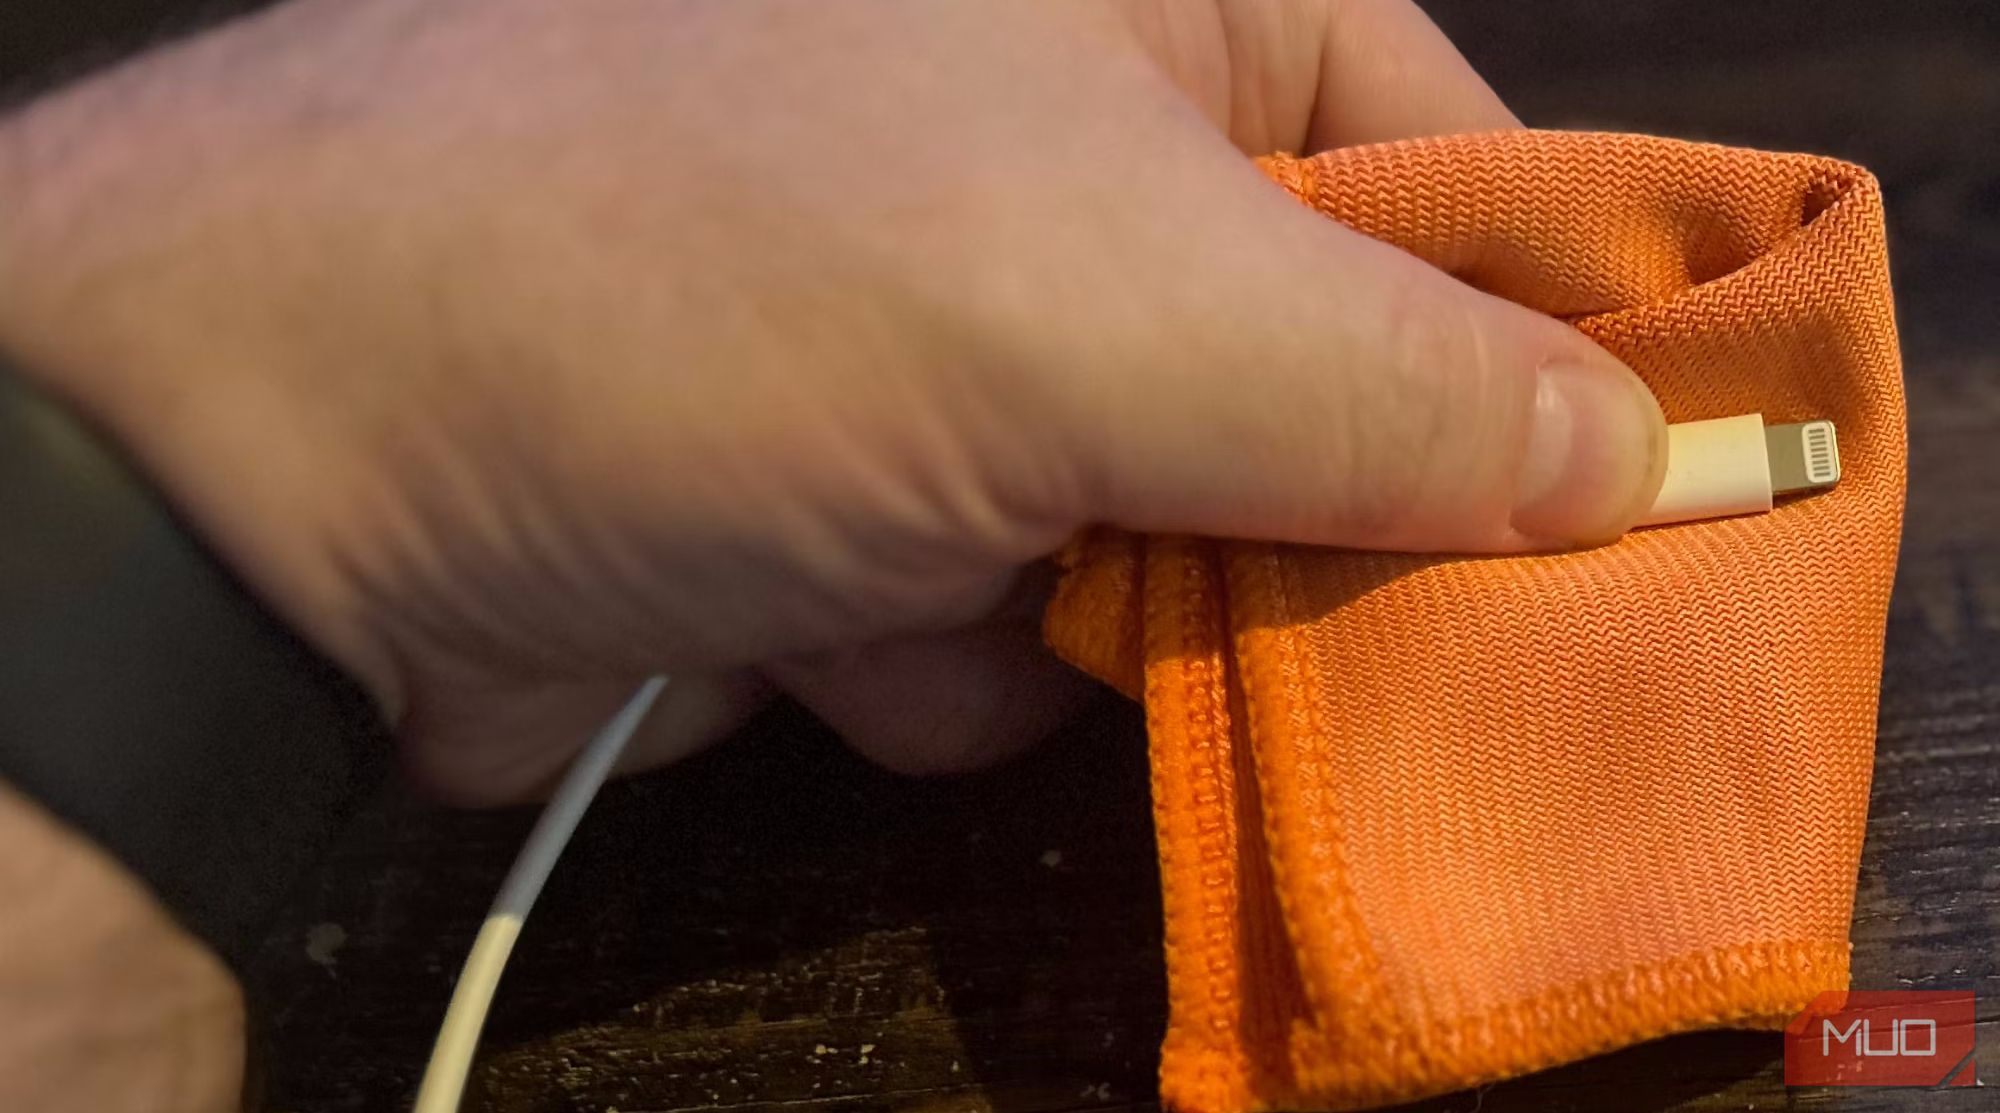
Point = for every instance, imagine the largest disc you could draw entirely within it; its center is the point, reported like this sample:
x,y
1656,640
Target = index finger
x,y
1303,76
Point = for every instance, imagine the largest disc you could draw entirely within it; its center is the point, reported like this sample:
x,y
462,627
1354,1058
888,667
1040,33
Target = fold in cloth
x,y
1426,822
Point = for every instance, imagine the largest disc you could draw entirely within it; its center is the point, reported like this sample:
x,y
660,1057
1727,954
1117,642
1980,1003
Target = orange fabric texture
x,y
1426,822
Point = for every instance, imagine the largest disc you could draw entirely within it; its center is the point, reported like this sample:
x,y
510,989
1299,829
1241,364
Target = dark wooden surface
x,y
777,925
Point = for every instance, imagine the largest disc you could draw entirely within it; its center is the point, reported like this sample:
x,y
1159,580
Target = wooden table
x,y
778,926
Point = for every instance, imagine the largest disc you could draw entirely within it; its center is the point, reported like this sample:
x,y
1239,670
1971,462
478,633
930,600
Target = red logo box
x,y
1883,1038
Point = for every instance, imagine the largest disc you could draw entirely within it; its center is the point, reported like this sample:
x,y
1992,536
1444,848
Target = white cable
x,y
451,1060
1715,468
1736,465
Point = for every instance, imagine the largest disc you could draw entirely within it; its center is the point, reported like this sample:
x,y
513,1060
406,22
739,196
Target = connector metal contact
x,y
1804,455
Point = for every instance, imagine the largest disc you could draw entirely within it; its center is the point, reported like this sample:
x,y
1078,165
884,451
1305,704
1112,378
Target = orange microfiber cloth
x,y
1426,822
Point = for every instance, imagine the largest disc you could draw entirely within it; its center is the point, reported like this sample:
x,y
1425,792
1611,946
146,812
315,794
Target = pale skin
x,y
514,350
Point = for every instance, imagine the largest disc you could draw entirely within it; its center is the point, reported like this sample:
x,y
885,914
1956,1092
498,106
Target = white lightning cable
x,y
451,1060
1727,466
1716,468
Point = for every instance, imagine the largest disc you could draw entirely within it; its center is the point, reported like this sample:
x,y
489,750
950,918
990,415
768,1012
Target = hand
x,y
519,349
515,350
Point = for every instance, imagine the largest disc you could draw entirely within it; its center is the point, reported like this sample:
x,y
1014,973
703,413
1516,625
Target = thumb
x,y
1293,380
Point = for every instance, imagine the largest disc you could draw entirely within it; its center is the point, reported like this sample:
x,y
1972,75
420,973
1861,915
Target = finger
x,y
696,711
1387,72
942,703
489,748
1290,379
946,703
1308,75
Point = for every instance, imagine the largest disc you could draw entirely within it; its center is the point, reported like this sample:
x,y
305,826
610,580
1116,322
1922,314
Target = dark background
x,y
778,925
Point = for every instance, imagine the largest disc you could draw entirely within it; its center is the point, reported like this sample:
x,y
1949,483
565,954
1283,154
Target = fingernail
x,y
1595,454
